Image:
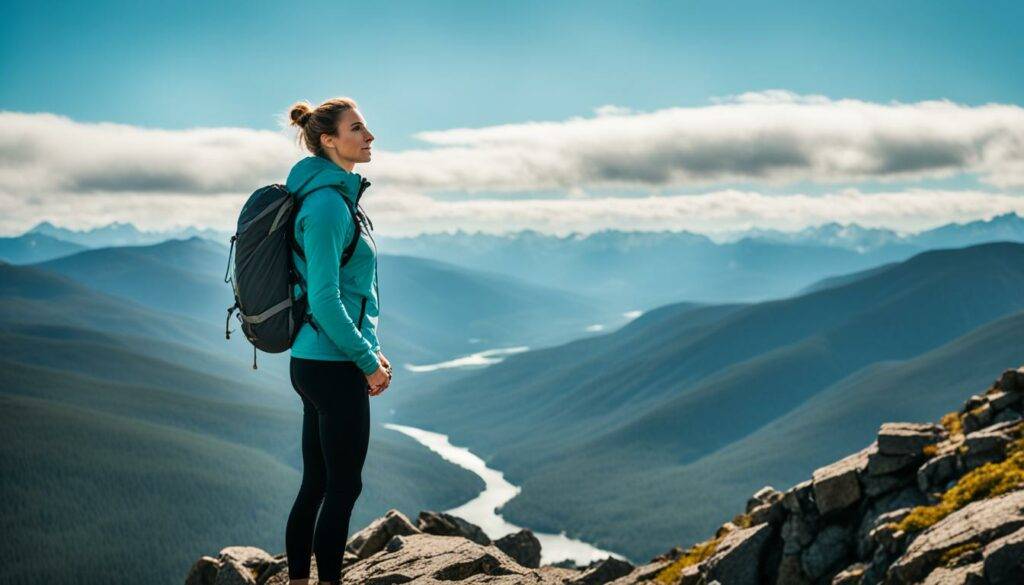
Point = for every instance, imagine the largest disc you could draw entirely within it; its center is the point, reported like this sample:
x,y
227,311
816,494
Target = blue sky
x,y
437,66
433,65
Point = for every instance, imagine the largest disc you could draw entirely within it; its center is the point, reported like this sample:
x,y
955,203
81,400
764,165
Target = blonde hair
x,y
323,119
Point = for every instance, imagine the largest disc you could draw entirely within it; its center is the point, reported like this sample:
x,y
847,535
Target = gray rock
x,y
986,440
830,548
876,485
603,571
642,573
1000,399
882,464
765,495
892,507
790,572
443,524
937,471
1009,415
981,521
429,558
203,572
964,575
797,534
371,539
851,575
978,418
233,572
799,499
522,546
736,560
908,438
1004,559
1012,380
837,486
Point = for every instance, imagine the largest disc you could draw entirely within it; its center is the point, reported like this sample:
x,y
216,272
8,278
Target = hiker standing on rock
x,y
336,361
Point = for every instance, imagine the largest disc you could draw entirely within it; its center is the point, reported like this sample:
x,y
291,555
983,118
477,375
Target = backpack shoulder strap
x,y
351,247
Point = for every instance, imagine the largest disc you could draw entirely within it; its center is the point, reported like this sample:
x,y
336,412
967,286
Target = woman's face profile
x,y
352,140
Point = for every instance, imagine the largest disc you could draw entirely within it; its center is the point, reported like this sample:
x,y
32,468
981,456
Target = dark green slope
x,y
180,449
109,359
97,498
177,276
35,296
608,501
660,388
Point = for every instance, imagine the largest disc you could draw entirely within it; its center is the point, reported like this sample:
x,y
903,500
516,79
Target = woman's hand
x,y
381,379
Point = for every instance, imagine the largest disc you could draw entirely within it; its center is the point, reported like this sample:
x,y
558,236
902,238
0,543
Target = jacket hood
x,y
314,172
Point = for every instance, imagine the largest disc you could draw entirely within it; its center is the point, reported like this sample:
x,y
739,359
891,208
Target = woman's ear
x,y
327,141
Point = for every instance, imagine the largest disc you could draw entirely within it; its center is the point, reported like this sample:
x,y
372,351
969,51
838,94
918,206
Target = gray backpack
x,y
264,275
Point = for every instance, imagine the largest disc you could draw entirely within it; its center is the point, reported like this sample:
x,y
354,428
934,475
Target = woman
x,y
336,362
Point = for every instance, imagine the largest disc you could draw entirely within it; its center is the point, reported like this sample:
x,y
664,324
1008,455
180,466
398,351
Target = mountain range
x,y
607,433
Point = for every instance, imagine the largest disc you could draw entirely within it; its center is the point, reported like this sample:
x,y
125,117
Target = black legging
x,y
335,435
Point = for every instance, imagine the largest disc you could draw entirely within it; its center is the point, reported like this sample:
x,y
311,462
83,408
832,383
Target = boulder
x,y
371,539
603,571
429,558
233,572
837,486
799,499
908,438
1012,380
1001,400
982,521
203,572
1004,559
522,546
978,418
642,573
937,472
970,574
851,575
830,548
736,560
443,524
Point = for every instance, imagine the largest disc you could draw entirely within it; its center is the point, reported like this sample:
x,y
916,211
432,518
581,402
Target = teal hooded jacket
x,y
342,301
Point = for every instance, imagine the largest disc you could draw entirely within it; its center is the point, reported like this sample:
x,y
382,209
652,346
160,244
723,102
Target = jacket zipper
x,y
362,311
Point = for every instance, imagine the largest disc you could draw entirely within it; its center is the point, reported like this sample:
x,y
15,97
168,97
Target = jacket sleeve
x,y
327,228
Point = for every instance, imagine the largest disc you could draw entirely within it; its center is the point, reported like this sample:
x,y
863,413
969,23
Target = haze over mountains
x,y
627,271
753,361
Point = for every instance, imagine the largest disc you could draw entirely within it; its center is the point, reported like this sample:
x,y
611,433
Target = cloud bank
x,y
52,167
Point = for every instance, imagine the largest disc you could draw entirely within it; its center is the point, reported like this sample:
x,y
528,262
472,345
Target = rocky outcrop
x,y
923,503
440,548
936,504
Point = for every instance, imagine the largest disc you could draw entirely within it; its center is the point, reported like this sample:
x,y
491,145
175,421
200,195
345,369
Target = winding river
x,y
481,510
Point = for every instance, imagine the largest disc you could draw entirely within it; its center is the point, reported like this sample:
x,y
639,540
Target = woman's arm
x,y
327,228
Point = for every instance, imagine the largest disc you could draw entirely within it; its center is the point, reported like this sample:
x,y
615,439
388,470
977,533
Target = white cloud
x,y
84,174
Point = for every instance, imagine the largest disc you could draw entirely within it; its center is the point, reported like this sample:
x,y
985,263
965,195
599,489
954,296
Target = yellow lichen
x,y
692,556
952,422
950,556
987,481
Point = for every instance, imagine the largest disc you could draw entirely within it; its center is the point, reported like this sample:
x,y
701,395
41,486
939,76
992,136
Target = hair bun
x,y
300,113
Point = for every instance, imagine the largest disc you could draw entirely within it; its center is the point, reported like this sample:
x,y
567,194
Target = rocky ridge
x,y
934,504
